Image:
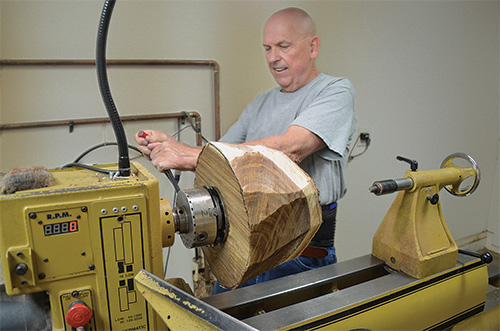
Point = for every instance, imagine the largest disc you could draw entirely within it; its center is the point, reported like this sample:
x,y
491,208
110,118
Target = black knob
x,y
487,257
21,269
433,198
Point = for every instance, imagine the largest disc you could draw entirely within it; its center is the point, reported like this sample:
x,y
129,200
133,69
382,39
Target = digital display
x,y
60,228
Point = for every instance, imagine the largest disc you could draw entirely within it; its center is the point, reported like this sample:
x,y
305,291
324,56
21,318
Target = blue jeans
x,y
291,267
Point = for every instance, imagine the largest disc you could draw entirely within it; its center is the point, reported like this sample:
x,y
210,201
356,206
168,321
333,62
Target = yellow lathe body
x,y
83,240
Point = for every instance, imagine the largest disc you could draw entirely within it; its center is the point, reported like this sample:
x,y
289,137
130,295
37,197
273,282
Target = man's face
x,y
289,53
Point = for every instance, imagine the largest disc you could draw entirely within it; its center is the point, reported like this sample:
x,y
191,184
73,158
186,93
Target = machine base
x,y
360,293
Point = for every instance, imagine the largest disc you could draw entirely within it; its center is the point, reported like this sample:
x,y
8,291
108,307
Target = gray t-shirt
x,y
325,106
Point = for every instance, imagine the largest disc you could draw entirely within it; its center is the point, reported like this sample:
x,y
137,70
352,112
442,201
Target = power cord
x,y
363,136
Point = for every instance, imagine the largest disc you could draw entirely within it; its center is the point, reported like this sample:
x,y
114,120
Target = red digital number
x,y
73,226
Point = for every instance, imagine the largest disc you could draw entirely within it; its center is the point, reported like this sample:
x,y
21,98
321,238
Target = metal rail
x,y
72,123
210,63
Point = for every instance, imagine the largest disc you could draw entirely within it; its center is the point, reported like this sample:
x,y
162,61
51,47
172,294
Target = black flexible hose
x,y
123,161
104,144
86,166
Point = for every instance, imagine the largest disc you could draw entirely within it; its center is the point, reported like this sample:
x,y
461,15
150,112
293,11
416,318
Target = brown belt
x,y
315,252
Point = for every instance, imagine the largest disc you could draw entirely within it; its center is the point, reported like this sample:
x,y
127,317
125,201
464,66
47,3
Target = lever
x,y
486,257
413,163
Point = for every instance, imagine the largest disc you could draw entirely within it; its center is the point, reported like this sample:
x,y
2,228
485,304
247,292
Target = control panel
x,y
83,240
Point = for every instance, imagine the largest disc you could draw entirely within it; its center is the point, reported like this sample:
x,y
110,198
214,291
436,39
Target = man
x,y
309,117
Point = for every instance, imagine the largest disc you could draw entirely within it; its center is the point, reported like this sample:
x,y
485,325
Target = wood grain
x,y
271,204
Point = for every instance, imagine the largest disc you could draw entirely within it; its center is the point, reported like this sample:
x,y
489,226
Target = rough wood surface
x,y
271,204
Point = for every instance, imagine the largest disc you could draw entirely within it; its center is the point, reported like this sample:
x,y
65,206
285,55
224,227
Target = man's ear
x,y
314,44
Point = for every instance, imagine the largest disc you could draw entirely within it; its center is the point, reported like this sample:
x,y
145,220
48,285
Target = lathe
x,y
94,243
93,240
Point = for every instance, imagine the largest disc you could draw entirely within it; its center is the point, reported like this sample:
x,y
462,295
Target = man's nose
x,y
273,55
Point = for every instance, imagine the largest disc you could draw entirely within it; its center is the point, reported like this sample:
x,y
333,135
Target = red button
x,y
78,315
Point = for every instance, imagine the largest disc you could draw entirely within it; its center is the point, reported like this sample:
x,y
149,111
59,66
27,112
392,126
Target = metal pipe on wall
x,y
72,123
211,63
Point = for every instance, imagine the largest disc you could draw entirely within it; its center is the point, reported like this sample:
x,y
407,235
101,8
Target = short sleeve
x,y
331,115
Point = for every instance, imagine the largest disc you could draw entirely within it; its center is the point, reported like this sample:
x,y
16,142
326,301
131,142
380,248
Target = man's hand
x,y
165,152
146,137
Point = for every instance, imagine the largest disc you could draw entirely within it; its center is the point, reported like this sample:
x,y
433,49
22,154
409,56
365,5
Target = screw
x,y
75,294
32,215
41,276
45,260
40,222
202,236
21,269
19,254
91,267
83,253
84,209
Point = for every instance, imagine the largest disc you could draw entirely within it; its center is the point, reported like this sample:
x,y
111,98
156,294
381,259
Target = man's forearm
x,y
297,143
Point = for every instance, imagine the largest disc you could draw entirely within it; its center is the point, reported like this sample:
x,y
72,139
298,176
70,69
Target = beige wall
x,y
426,76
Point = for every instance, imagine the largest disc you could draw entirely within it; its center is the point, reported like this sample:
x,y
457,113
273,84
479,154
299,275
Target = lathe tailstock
x,y
413,236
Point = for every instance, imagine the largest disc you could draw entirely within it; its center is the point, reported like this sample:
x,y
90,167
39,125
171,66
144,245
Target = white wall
x,y
426,76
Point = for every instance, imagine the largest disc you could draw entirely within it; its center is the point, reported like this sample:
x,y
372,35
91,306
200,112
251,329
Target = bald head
x,y
294,18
